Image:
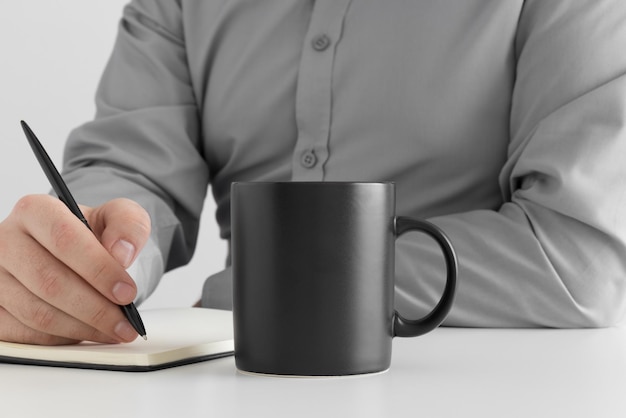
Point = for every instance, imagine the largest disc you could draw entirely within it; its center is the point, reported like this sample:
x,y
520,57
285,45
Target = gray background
x,y
53,53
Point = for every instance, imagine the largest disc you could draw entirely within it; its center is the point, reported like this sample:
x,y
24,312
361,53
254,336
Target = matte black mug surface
x,y
313,277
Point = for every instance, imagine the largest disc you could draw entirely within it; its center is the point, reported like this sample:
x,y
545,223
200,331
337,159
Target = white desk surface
x,y
447,373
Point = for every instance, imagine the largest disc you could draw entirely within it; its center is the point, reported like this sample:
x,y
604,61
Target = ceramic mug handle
x,y
403,327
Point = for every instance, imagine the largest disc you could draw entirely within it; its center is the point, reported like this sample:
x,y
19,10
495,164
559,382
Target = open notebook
x,y
176,336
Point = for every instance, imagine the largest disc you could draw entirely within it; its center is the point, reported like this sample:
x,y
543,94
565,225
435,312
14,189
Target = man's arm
x,y
555,253
144,141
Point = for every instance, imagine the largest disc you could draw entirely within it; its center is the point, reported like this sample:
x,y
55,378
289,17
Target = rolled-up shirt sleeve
x,y
144,141
554,254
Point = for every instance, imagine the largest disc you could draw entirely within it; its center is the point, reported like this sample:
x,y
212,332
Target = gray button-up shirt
x,y
503,122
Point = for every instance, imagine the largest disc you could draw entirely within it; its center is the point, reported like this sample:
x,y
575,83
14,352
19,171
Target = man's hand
x,y
59,282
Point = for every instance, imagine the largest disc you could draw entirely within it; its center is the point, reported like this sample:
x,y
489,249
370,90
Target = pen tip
x,y
145,337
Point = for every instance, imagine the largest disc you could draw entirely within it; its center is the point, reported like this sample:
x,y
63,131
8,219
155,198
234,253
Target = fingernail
x,y
123,292
125,331
123,252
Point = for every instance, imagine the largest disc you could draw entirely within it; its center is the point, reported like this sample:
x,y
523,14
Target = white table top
x,y
447,373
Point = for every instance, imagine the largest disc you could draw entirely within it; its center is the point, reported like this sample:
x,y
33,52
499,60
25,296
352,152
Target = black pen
x,y
60,188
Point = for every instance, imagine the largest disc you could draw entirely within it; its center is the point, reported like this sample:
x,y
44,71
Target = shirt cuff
x,y
147,270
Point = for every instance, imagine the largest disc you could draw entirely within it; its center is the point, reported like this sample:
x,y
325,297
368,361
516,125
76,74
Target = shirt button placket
x,y
314,89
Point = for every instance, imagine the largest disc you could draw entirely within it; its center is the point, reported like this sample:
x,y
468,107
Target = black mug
x,y
313,277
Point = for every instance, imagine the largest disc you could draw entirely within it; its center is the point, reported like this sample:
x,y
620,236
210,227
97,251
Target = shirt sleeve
x,y
147,271
144,141
554,254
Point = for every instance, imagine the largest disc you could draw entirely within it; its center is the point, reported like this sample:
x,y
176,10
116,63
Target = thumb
x,y
123,228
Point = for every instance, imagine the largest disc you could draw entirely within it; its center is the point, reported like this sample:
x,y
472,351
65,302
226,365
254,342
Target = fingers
x,y
36,322
12,330
54,228
123,227
58,282
50,297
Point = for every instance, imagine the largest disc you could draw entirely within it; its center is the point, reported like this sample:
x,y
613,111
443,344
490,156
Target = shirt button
x,y
320,42
308,159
